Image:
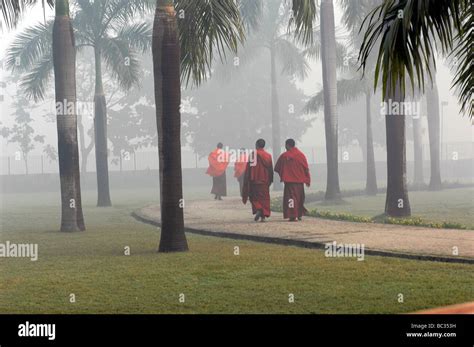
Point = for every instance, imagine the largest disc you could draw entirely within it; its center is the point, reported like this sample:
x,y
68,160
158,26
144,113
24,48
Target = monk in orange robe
x,y
257,182
218,163
292,166
239,168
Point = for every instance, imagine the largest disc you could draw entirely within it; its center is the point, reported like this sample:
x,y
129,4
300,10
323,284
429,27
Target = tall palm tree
x,y
432,102
408,31
348,90
354,13
328,60
105,27
64,61
207,27
271,36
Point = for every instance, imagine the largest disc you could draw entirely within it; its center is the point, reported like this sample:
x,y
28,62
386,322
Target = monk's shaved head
x,y
290,143
220,145
260,143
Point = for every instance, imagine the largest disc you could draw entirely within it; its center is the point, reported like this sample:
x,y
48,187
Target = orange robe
x,y
293,168
257,181
218,162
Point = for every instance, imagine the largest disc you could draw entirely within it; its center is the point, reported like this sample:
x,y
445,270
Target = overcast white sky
x,y
456,127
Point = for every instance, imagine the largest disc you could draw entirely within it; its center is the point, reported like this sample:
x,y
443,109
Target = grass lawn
x,y
92,265
454,205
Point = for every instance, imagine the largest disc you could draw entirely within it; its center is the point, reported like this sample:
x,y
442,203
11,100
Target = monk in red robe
x,y
292,166
257,181
218,163
239,168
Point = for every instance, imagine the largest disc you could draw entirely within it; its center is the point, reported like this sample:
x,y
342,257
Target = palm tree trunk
x,y
82,146
166,67
328,59
371,179
397,203
418,152
276,135
100,127
432,99
64,57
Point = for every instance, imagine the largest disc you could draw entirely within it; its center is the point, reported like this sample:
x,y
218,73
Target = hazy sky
x,y
456,127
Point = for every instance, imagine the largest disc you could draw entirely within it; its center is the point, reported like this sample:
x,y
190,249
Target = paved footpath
x,y
230,218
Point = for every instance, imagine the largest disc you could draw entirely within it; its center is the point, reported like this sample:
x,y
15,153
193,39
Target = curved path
x,y
230,218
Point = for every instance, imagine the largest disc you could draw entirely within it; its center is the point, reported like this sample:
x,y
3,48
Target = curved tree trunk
x,y
397,203
276,135
432,99
166,67
328,59
100,127
64,57
371,178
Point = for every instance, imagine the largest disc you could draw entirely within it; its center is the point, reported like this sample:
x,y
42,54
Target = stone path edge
x,y
139,216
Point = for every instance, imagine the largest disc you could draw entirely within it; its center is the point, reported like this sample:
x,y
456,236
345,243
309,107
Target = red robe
x,y
293,168
240,165
257,181
218,162
239,170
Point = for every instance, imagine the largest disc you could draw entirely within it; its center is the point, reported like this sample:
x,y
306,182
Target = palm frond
x,y
347,90
410,33
289,55
250,12
12,10
304,13
121,61
30,46
138,36
35,81
207,27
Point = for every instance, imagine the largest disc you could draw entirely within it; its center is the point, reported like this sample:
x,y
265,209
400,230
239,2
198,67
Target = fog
x,y
209,116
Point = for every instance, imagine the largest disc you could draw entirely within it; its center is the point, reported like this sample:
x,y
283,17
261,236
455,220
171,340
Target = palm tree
x,y
105,27
328,60
64,61
207,27
408,31
432,101
348,90
353,17
271,36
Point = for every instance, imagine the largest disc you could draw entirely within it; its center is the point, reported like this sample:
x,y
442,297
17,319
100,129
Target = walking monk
x,y
293,169
218,163
239,168
257,181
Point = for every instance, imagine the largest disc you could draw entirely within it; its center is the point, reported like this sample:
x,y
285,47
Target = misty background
x,y
232,107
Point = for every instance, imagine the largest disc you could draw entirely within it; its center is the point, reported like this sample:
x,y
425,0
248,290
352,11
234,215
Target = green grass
x,y
92,265
453,206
